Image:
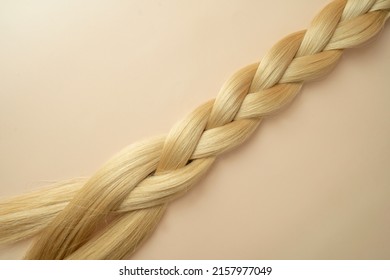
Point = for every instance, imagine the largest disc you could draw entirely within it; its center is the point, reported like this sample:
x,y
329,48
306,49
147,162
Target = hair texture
x,y
108,215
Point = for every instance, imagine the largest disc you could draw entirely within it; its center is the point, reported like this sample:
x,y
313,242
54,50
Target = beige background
x,y
82,79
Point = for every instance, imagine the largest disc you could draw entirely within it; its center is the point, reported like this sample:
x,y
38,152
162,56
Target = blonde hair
x,y
108,215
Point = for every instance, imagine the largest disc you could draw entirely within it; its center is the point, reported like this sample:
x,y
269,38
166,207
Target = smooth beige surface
x,y
82,79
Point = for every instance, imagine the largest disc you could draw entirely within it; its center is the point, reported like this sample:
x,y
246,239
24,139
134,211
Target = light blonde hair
x,y
110,214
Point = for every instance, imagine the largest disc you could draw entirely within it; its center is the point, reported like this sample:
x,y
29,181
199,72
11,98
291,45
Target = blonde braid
x,y
134,187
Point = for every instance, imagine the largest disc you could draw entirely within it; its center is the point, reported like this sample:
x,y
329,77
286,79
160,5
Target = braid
x,y
135,186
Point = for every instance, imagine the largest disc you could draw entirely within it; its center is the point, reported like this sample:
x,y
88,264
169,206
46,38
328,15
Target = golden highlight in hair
x,y
108,215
